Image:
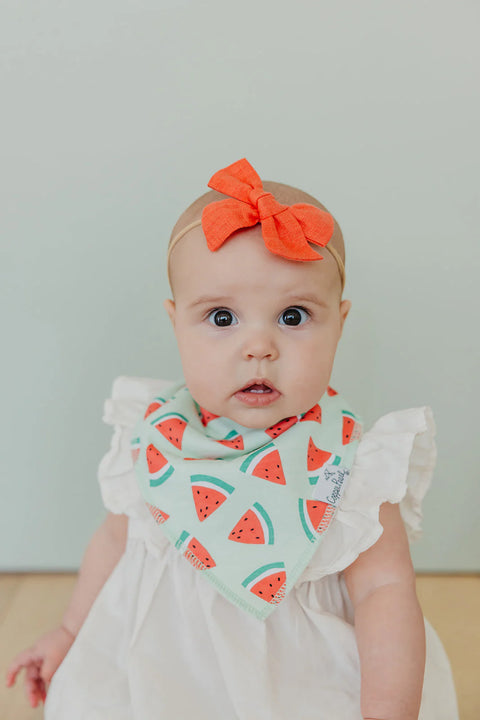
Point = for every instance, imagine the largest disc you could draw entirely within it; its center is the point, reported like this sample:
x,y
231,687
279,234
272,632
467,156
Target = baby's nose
x,y
260,344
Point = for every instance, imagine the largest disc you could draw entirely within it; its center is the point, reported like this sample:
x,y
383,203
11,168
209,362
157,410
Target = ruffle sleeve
x,y
118,486
394,463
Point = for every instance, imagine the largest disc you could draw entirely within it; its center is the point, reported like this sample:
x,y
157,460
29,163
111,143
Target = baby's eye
x,y
294,316
222,318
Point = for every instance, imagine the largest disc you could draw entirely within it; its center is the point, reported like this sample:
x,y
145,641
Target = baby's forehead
x,y
244,265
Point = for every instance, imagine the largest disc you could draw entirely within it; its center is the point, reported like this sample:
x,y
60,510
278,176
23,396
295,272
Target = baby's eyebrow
x,y
287,298
306,297
210,300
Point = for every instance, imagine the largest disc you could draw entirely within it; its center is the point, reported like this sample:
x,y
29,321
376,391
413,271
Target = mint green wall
x,y
115,114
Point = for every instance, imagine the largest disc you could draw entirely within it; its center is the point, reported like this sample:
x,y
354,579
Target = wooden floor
x,y
33,604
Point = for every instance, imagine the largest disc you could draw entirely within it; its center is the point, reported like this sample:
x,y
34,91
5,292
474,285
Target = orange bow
x,y
286,229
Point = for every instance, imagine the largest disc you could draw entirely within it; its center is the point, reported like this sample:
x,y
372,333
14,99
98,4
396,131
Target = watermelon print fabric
x,y
245,507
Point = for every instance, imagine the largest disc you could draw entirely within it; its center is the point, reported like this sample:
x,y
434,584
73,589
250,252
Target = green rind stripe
x,y
199,479
158,481
252,456
350,414
261,570
267,520
182,539
301,509
232,434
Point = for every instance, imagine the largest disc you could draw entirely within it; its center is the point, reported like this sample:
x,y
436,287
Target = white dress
x,y
161,643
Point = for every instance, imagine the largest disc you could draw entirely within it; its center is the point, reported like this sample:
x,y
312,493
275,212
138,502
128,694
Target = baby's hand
x,y
40,662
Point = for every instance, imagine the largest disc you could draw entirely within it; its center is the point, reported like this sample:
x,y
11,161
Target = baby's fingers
x,y
22,660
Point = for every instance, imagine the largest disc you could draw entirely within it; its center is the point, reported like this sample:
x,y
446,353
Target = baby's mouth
x,y
258,392
256,388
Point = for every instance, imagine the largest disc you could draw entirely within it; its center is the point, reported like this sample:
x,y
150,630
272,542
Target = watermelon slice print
x,y
268,582
315,516
159,469
206,416
254,527
158,402
352,430
314,414
172,427
331,391
266,464
280,427
194,551
158,515
208,494
316,458
135,449
233,440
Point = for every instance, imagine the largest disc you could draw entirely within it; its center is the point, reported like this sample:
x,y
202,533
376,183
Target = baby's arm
x,y
42,659
103,553
389,624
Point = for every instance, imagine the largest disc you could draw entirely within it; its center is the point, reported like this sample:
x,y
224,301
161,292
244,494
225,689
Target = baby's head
x,y
257,332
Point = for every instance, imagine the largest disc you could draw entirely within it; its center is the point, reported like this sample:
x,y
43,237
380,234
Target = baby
x,y
254,562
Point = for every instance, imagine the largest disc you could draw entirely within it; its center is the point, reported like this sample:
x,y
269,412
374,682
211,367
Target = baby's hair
x,y
285,194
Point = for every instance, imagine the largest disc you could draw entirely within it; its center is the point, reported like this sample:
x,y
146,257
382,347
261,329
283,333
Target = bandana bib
x,y
246,507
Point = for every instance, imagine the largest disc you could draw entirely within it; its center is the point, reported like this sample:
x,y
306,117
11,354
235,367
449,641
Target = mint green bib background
x,y
289,538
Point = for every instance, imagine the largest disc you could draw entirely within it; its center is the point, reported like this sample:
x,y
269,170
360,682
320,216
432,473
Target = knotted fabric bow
x,y
286,229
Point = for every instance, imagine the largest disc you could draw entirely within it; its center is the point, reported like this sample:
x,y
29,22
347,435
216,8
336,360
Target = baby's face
x,y
243,316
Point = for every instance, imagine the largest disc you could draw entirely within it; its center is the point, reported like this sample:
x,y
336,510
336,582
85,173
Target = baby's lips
x,y
258,381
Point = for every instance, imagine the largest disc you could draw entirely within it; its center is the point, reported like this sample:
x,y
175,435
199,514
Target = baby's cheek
x,y
314,375
202,378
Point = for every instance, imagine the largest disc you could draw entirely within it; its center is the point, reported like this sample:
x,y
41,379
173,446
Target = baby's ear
x,y
169,306
345,306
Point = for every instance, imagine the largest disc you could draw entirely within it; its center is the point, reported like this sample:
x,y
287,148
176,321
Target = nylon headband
x,y
196,223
